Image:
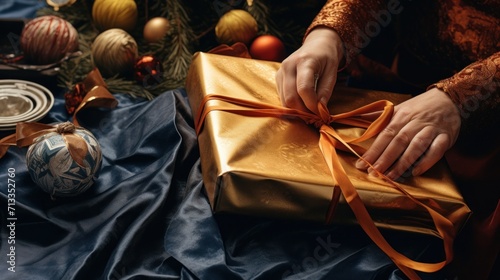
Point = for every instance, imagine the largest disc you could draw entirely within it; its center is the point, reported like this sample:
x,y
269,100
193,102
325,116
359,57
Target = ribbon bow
x,y
329,141
92,92
27,133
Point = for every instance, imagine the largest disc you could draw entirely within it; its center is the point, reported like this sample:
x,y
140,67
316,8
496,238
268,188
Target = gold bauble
x,y
155,29
114,52
109,14
236,26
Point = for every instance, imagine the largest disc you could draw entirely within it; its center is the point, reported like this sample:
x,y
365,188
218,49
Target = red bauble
x,y
148,71
47,39
268,47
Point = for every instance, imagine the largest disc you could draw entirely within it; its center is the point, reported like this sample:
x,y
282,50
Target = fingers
x,y
413,155
379,146
435,152
324,87
303,86
307,78
286,82
404,155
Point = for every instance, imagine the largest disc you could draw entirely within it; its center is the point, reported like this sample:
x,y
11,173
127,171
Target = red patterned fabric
x,y
453,45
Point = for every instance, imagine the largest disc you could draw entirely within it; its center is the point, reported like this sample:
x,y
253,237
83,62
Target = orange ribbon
x,y
329,141
237,49
26,134
92,91
95,95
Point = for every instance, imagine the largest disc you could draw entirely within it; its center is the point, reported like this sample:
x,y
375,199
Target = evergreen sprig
x,y
175,50
192,29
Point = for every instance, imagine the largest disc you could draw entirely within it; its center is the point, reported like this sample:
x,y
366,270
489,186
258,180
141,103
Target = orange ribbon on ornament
x,y
329,141
26,133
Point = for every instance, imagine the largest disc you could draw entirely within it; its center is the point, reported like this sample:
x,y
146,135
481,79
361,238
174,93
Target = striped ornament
x,y
47,39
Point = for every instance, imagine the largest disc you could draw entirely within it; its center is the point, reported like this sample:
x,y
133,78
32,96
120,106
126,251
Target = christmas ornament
x,y
64,162
268,47
148,71
47,39
108,14
114,52
236,26
155,29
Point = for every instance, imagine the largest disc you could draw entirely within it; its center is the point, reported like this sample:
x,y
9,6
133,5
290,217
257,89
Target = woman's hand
x,y
308,75
421,130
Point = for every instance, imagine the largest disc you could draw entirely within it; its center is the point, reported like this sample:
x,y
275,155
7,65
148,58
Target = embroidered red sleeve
x,y
475,88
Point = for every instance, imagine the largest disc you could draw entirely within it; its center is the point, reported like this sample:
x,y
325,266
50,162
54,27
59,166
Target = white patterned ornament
x,y
57,169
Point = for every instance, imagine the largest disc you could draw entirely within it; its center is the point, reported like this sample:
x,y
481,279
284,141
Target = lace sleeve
x,y
356,21
476,92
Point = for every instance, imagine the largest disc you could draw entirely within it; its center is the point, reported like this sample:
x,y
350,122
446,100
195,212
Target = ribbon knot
x,y
322,118
65,127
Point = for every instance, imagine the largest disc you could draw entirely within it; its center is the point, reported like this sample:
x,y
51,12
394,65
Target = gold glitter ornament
x,y
108,14
155,29
114,52
236,26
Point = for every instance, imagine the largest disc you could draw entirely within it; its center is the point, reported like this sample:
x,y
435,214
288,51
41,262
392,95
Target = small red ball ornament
x,y
148,71
268,47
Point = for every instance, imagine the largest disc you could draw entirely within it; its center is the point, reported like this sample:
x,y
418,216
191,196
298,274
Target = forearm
x,y
357,22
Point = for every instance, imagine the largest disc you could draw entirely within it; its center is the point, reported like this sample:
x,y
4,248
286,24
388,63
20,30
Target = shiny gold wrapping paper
x,y
273,167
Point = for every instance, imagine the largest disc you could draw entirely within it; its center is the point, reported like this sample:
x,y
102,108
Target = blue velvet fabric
x,y
15,9
147,216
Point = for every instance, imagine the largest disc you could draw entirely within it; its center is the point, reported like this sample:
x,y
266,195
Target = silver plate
x,y
23,101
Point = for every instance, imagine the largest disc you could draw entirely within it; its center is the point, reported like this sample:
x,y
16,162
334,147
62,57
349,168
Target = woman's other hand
x,y
421,130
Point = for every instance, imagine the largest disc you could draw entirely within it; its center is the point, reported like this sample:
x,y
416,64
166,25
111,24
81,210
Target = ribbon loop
x,y
27,133
92,92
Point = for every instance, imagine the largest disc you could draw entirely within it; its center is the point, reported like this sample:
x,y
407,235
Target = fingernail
x,y
415,172
361,164
372,172
323,100
391,175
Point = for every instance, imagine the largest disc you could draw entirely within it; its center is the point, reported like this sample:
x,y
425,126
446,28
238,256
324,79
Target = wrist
x,y
330,37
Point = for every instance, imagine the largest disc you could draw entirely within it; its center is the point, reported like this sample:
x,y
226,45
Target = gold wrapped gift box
x,y
273,166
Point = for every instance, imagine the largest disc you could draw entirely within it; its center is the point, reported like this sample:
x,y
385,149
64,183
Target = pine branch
x,y
182,36
261,13
192,27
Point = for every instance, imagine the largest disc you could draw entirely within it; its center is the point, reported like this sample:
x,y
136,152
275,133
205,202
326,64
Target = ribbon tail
x,y
26,133
77,147
407,265
24,136
5,144
357,205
